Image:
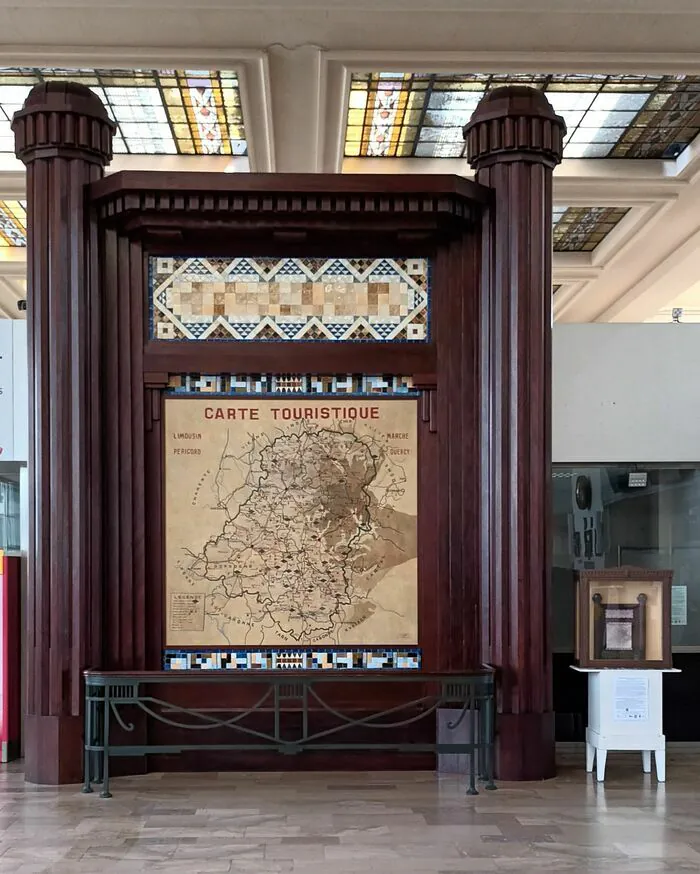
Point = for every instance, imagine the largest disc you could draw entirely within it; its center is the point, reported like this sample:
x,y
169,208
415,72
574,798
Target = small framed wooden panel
x,y
623,618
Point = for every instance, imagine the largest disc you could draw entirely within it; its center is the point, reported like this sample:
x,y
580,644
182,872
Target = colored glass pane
x,y
13,223
582,228
422,115
187,112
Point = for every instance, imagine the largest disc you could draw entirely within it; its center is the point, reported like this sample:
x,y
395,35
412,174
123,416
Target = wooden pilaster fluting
x,y
64,137
514,140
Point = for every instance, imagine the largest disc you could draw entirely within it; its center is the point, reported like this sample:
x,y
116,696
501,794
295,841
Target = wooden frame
x,y
97,381
425,601
590,607
324,217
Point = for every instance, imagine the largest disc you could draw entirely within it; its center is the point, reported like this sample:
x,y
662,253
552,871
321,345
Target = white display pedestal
x,y
625,713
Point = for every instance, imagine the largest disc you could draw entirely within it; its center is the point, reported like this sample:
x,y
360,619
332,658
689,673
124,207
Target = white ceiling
x,y
295,58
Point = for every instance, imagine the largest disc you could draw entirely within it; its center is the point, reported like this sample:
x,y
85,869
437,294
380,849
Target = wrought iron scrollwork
x,y
108,697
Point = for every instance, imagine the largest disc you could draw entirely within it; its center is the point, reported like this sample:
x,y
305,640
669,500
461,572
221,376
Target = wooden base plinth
x,y
525,747
53,749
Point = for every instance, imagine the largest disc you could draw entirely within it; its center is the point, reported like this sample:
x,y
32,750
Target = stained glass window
x,y
13,223
186,112
582,228
421,115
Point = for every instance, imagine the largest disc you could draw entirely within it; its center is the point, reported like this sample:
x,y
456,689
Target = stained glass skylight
x,y
13,223
582,228
421,115
162,112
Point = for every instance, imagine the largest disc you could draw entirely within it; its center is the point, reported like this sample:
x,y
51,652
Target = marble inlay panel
x,y
330,299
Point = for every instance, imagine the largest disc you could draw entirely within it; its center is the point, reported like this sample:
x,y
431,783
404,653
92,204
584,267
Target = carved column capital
x,y
514,123
63,120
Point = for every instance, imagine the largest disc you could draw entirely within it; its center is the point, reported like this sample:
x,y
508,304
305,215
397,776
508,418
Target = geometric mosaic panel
x,y
327,299
354,384
271,659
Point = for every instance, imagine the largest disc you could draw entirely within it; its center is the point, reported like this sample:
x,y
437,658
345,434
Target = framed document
x,y
619,630
623,618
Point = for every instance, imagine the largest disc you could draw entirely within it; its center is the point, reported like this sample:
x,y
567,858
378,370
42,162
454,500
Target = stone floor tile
x,y
347,823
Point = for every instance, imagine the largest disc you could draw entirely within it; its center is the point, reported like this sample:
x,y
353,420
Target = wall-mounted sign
x,y
679,605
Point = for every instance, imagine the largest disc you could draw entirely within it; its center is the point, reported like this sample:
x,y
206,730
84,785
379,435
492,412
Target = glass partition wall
x,y
9,515
628,514
643,515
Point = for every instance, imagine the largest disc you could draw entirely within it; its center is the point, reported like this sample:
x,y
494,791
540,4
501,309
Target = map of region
x,y
291,522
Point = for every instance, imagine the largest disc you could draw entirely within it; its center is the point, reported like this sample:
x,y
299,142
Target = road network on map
x,y
310,529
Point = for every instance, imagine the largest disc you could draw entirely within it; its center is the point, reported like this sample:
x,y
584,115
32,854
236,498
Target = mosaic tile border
x,y
281,659
289,299
313,384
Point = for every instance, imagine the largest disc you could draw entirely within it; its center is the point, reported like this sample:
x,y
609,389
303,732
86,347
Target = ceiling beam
x,y
13,262
593,7
598,187
256,105
13,181
565,295
647,261
577,182
297,94
537,60
673,275
573,267
11,291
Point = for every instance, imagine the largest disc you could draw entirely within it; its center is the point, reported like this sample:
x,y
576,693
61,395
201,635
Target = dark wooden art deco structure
x,y
106,352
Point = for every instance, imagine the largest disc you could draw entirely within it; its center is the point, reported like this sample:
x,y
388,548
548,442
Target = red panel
x,y
10,658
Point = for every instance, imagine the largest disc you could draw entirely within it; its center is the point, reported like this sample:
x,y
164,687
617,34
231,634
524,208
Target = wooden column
x,y
514,141
64,137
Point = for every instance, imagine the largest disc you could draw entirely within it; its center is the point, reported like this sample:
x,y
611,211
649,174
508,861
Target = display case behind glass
x,y
9,515
622,515
623,618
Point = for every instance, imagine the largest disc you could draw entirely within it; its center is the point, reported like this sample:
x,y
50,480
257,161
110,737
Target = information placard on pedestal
x,y
625,708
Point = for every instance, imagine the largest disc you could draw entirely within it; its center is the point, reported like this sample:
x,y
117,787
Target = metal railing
x,y
114,700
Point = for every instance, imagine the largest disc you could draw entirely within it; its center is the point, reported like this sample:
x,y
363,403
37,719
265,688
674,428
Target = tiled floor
x,y
338,823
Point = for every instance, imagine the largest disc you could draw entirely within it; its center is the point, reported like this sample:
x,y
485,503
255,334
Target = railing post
x,y
105,741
